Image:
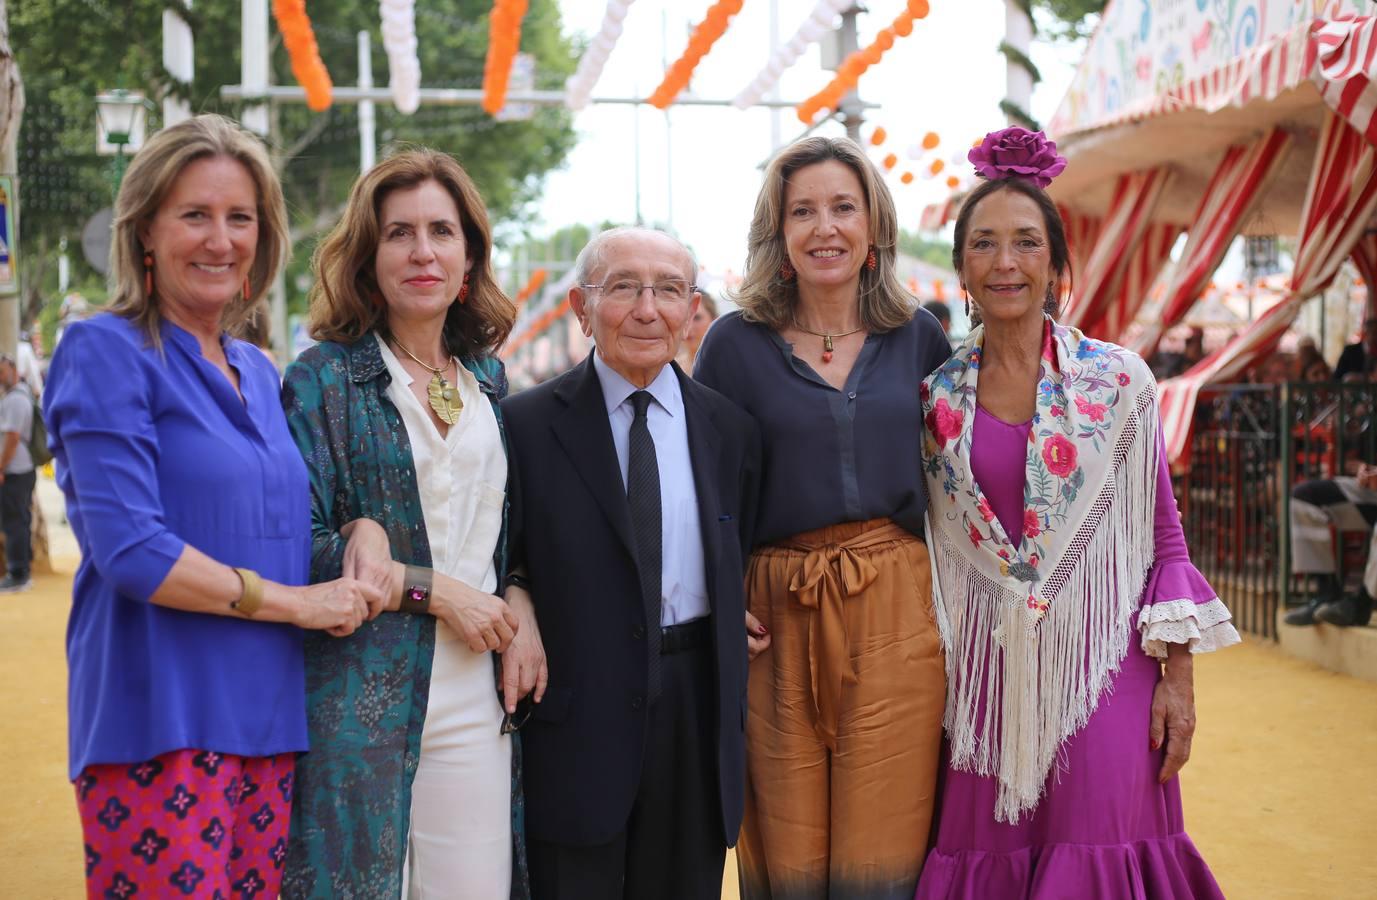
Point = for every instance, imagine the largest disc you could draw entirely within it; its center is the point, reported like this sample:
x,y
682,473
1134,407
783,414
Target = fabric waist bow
x,y
830,574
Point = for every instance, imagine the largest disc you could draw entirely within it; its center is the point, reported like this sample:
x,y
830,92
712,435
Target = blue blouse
x,y
154,452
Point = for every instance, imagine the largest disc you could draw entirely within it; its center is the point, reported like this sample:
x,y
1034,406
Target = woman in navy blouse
x,y
190,504
847,682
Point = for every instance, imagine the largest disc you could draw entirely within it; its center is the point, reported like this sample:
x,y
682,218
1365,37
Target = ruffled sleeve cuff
x,y
1180,607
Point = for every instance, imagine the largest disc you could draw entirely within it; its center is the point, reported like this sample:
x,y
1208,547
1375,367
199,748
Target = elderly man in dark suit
x,y
633,494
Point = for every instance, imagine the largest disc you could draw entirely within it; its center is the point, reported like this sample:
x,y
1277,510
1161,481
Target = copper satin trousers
x,y
845,724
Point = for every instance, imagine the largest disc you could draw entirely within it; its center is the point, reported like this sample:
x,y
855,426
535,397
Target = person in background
x,y
1320,509
703,318
413,783
941,312
16,475
847,681
191,507
1072,607
1359,359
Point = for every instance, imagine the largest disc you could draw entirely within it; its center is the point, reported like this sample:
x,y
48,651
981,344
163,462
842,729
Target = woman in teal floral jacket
x,y
396,413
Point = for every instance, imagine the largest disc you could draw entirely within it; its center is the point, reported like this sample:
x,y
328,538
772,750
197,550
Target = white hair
x,y
590,257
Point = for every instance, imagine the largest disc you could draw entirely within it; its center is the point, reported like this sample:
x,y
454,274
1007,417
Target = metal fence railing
x,y
1229,500
1235,494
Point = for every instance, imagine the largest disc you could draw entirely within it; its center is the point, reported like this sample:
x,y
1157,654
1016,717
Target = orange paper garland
x,y
537,279
854,66
300,41
504,37
713,26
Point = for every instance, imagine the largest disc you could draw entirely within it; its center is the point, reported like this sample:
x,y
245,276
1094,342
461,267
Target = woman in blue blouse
x,y
412,784
191,508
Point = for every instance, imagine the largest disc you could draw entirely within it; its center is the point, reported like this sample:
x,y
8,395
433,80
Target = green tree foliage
x,y
69,50
938,252
1071,19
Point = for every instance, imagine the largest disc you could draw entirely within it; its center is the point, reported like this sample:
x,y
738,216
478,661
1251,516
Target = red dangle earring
x,y
148,273
247,292
786,271
464,289
870,261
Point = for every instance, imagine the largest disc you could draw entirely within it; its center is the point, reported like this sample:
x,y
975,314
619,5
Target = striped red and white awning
x,y
1120,234
1339,207
936,215
1337,56
1234,190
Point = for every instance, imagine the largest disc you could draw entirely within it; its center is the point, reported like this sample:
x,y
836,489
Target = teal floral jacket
x,y
366,694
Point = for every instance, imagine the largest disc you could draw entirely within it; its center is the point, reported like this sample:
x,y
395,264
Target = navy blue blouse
x,y
831,456
154,452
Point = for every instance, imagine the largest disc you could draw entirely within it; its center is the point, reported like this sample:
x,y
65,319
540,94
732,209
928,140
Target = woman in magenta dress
x,y
1070,609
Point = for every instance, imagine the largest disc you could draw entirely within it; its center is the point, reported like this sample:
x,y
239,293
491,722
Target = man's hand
x,y
757,637
1367,477
524,668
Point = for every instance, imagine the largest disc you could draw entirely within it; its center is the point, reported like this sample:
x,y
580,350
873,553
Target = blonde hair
x,y
766,297
346,303
146,185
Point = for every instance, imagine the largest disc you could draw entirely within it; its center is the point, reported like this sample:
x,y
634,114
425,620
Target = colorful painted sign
x,y
1145,50
9,245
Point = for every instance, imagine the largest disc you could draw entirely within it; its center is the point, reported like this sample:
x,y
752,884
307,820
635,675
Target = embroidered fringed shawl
x,y
1035,629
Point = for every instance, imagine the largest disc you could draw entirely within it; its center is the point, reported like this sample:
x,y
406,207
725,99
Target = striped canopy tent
x,y
1216,120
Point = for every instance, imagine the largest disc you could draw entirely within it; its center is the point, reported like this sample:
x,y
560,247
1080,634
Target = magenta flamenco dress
x,y
1104,828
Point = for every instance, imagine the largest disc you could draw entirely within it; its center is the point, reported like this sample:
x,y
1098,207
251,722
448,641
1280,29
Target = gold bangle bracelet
x,y
251,600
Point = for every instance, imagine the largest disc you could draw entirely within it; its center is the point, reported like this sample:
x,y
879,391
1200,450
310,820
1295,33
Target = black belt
x,y
686,635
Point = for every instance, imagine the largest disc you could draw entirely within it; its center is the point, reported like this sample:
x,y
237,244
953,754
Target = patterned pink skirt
x,y
189,823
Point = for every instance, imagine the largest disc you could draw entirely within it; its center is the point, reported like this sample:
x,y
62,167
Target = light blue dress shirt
x,y
683,583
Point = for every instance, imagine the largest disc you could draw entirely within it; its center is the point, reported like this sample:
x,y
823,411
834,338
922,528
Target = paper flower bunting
x,y
300,41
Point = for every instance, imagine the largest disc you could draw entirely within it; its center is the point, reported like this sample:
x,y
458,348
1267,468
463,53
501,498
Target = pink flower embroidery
x,y
985,512
944,422
1060,455
1095,411
976,536
1123,379
1030,523
1058,411
923,391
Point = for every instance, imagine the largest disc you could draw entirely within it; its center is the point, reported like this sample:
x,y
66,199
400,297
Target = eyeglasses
x,y
626,290
512,722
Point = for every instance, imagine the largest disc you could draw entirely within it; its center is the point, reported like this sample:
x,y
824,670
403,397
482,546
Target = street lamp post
x,y
120,116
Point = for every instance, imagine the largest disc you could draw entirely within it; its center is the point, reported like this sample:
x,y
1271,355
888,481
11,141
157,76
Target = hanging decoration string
x,y
579,86
399,42
855,65
818,24
300,41
533,285
713,26
504,36
538,326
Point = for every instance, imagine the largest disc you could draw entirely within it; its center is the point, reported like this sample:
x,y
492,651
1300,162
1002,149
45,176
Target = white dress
x,y
460,840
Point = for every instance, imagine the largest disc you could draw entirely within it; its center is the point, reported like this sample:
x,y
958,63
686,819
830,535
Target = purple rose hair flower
x,y
1017,153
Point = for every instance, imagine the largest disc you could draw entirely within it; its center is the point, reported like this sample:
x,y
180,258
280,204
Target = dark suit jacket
x,y
571,532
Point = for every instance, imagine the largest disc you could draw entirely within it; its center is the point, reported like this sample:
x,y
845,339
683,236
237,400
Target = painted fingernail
x,y
763,631
1156,743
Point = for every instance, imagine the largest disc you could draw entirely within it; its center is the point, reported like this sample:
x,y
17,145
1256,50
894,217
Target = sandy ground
x,y
1280,795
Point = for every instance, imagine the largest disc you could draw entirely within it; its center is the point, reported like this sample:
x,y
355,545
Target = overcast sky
x,y
698,167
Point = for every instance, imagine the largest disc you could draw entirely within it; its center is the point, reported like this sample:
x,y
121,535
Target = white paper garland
x,y
403,66
579,86
818,24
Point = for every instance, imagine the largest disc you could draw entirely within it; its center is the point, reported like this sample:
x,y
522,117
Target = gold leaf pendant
x,y
444,399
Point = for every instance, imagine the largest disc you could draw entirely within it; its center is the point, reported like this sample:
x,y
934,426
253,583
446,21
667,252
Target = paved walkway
x,y
1280,796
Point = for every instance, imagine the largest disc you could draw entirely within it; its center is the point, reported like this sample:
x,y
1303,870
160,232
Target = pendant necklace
x,y
444,397
827,338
